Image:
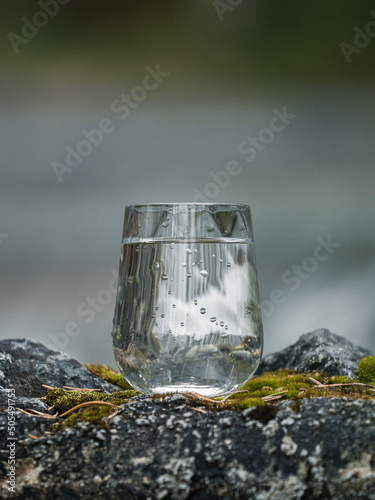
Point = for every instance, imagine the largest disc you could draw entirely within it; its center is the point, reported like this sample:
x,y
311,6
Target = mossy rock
x,y
109,375
366,370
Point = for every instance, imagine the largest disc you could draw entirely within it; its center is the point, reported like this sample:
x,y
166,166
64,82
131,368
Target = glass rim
x,y
188,203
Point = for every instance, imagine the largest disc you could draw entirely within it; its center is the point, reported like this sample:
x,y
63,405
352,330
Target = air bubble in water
x,y
203,310
204,273
221,323
213,319
164,277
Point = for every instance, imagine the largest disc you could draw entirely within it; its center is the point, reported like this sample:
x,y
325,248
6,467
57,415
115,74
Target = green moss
x,y
109,375
280,385
96,415
62,400
366,370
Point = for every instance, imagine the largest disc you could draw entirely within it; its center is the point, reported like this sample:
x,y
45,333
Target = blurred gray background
x,y
228,69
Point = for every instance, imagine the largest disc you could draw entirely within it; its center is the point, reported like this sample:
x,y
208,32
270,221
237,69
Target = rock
x,y
161,450
26,366
319,350
164,449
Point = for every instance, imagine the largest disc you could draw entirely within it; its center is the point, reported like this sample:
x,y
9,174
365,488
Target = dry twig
x,y
90,403
199,409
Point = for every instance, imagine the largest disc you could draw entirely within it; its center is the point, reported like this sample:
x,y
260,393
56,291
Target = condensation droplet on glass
x,y
210,228
216,323
172,245
155,266
248,309
226,327
228,264
195,302
137,248
193,335
182,323
221,323
169,331
213,319
224,335
165,224
184,264
162,316
202,310
157,308
213,255
130,279
221,261
189,275
164,277
188,251
195,250
174,306
169,292
204,273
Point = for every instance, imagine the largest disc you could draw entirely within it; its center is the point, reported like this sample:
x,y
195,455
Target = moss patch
x,y
366,370
264,392
109,375
62,400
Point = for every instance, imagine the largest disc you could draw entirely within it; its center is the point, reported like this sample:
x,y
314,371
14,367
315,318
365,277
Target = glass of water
x,y
187,316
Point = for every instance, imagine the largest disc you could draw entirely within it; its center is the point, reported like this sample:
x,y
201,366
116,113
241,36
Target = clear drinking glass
x,y
187,314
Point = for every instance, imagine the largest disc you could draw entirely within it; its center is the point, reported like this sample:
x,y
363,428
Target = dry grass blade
x,y
327,386
271,398
79,389
315,381
279,394
48,387
37,414
204,397
113,415
90,403
33,437
199,410
229,395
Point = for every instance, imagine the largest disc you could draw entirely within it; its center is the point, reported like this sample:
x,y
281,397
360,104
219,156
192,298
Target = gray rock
x,y
157,451
319,350
163,449
26,366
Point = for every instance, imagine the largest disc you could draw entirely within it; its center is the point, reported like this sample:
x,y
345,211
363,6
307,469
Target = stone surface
x,y
26,366
320,350
164,450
